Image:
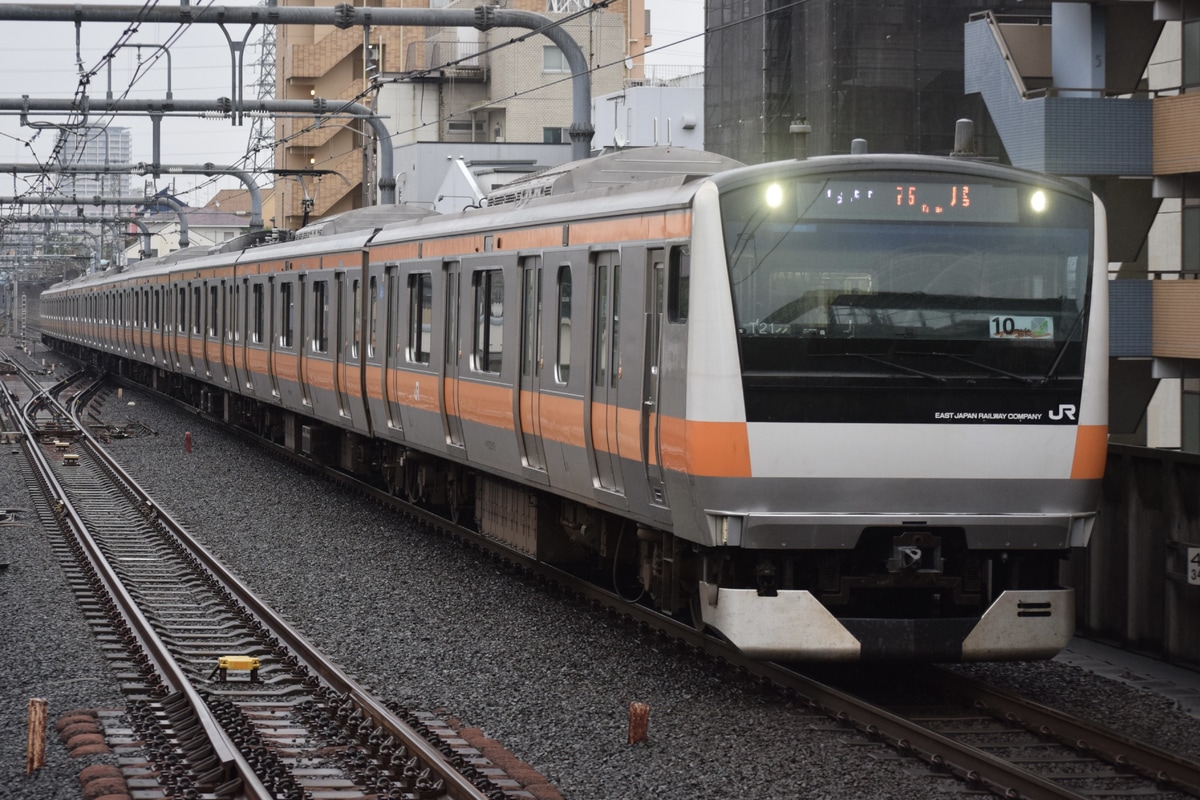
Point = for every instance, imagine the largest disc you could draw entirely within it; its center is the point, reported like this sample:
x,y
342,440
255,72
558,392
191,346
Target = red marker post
x,y
187,442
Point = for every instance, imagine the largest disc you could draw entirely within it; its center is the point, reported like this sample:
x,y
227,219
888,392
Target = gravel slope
x,y
438,626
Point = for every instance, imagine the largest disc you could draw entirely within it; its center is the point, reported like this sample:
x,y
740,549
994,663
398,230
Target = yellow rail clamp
x,y
71,460
239,663
61,445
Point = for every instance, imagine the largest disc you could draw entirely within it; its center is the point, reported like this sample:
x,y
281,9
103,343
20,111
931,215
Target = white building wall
x,y
649,116
1164,245
534,99
95,145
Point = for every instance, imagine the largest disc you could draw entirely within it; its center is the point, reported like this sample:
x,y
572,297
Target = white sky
x,y
675,26
39,60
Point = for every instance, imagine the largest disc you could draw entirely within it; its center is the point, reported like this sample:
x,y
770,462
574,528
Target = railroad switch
x,y
240,663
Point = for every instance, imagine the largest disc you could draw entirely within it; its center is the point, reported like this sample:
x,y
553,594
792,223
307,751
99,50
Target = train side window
x,y
489,320
320,342
286,311
258,312
531,340
679,276
562,369
229,312
356,303
213,312
373,320
420,316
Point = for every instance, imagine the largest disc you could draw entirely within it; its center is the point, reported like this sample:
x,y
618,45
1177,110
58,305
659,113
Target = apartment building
x,y
435,84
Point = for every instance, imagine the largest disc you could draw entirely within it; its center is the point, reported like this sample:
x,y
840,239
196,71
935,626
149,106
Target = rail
x,y
237,773
456,785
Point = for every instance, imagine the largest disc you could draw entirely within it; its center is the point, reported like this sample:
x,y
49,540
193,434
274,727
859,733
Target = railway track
x,y
997,740
225,697
992,741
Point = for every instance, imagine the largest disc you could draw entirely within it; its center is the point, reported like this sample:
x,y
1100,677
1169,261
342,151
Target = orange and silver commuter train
x,y
848,408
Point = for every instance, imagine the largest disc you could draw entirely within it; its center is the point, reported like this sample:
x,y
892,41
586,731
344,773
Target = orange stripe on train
x,y
1091,451
711,449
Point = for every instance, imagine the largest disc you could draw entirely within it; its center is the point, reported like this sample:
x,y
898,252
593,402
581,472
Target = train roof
x,y
363,219
624,170
898,161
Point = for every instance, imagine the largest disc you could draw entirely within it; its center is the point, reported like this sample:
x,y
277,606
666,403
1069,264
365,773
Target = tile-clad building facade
x,y
888,71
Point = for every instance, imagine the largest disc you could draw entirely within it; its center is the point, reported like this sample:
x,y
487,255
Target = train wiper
x,y
1025,379
900,367
1062,351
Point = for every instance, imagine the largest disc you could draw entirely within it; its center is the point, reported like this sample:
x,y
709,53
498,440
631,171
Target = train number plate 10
x,y
1193,565
1021,327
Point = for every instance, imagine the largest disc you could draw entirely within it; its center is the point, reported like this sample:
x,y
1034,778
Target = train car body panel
x,y
841,409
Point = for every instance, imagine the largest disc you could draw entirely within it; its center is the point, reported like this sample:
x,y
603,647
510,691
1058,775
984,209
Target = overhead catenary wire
x,y
143,68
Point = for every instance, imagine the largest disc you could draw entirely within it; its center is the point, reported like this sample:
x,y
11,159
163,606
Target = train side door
x,y
273,340
339,343
304,340
391,389
529,391
655,297
451,418
233,334
606,371
156,344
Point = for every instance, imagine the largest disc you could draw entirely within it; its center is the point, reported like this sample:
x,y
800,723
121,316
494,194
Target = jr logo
x,y
1064,410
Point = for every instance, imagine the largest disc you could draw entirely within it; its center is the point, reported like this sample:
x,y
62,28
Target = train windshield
x,y
908,274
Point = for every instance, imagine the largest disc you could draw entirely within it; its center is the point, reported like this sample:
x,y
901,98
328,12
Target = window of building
x,y
555,135
489,320
1190,45
553,59
466,127
1189,225
1190,417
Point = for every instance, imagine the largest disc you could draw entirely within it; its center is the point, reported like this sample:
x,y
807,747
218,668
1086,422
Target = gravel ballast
x,y
438,626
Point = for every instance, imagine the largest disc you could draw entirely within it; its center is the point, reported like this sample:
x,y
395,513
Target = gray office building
x,y
888,71
95,145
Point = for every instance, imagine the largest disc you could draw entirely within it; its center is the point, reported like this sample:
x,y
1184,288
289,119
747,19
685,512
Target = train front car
x,y
896,409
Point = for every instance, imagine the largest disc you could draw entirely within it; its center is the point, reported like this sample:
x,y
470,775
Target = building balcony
x,y
1176,120
461,60
1059,130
